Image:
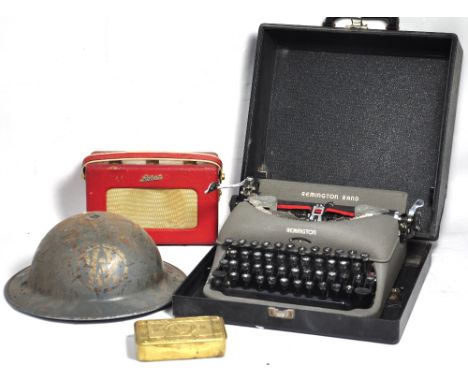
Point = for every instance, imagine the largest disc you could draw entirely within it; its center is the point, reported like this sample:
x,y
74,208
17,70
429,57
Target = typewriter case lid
x,y
363,108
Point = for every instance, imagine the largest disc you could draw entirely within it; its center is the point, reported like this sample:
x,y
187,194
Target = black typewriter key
x,y
282,271
322,286
219,274
232,254
227,283
260,280
232,265
335,289
301,250
342,254
339,252
343,265
295,273
362,297
358,279
356,267
257,257
245,255
271,281
269,257
218,279
348,289
352,253
234,244
307,274
309,286
266,244
228,241
327,251
290,246
281,258
258,269
246,278
315,249
284,284
216,283
297,284
318,275
278,245
344,257
269,269
318,263
331,264
331,277
254,243
224,264
344,277
234,278
245,267
242,242
293,260
305,261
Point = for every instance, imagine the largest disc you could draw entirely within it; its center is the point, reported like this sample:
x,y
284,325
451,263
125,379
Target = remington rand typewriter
x,y
312,246
304,249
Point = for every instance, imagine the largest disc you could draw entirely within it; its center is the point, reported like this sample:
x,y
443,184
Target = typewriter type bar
x,y
316,211
313,276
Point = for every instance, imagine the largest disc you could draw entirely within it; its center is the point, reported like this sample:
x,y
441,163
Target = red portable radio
x,y
162,192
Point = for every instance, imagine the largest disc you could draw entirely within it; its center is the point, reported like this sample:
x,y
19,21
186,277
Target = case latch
x,y
285,314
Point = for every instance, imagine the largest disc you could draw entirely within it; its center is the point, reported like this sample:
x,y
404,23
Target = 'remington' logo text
x,y
302,231
329,196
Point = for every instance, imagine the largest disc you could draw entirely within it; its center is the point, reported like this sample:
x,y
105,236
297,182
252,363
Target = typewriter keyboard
x,y
284,272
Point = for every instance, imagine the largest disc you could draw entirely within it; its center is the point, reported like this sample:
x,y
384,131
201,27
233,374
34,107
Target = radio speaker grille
x,y
155,208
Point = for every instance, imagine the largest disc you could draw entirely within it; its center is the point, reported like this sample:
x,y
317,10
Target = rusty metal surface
x,y
94,266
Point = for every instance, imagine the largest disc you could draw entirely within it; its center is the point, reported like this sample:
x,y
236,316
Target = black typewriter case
x,y
358,107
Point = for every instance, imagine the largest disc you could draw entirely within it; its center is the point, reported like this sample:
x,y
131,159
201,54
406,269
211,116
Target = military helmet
x,y
94,266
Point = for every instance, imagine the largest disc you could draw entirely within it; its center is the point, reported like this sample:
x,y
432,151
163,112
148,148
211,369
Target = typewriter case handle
x,y
393,23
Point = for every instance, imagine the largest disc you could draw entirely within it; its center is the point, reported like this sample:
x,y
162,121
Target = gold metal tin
x,y
180,338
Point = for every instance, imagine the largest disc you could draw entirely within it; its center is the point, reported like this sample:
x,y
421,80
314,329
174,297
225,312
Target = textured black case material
x,y
189,300
364,108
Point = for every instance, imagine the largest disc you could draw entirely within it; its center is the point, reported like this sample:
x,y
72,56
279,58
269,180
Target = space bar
x,y
288,298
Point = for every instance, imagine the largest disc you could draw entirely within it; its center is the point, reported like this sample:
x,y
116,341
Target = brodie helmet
x,y
94,266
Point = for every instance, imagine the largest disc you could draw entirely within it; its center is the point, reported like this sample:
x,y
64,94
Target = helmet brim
x,y
155,297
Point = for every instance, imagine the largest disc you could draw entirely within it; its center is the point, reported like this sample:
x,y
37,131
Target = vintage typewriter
x,y
317,247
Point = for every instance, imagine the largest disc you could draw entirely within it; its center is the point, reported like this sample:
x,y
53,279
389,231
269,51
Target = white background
x,y
82,76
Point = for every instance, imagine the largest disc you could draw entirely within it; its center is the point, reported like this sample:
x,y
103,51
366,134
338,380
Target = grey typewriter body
x,y
323,251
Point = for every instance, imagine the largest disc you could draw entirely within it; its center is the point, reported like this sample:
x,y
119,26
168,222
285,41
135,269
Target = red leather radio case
x,y
162,192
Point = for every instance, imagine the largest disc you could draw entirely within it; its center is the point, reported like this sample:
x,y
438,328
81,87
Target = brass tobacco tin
x,y
180,338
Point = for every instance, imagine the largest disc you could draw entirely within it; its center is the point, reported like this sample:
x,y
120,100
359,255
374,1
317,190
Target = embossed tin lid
x,y
94,266
180,338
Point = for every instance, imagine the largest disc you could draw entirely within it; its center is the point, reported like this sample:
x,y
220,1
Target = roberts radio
x,y
162,192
